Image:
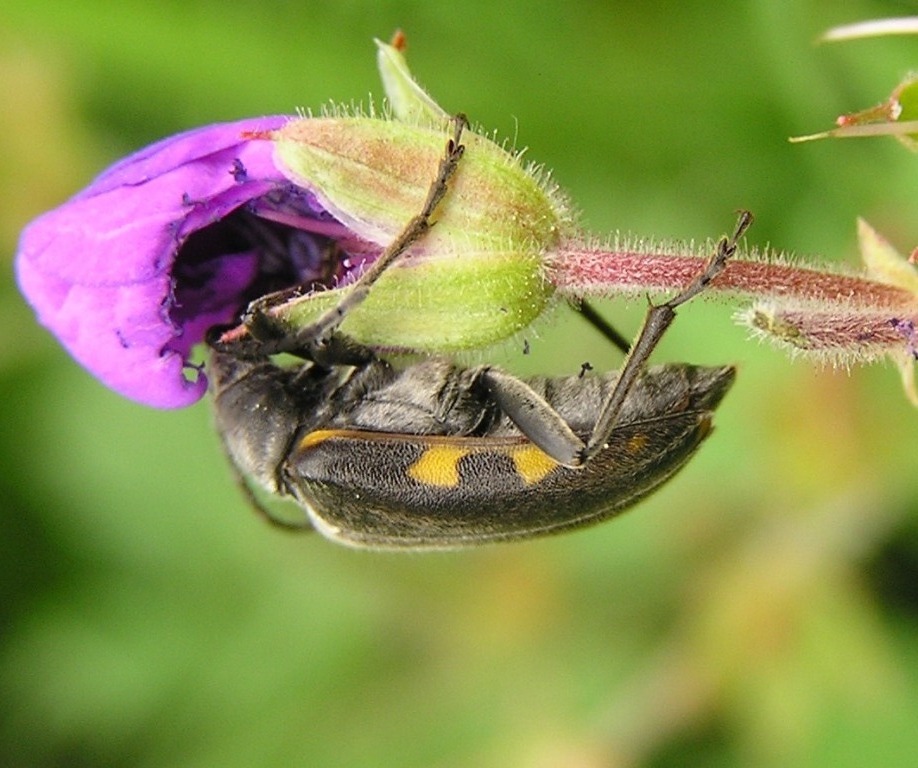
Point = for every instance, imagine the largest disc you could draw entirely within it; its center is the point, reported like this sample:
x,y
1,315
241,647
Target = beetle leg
x,y
659,318
588,313
534,416
542,424
315,334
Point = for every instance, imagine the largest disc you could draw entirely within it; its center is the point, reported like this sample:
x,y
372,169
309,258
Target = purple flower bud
x,y
130,273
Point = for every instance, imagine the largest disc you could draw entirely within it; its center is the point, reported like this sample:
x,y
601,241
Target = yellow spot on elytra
x,y
319,436
438,465
532,464
637,443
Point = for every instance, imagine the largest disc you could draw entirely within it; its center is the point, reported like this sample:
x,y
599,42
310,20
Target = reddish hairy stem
x,y
582,271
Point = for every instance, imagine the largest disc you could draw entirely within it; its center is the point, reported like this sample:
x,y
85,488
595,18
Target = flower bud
x,y
476,277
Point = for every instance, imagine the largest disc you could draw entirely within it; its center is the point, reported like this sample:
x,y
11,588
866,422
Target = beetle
x,y
433,455
423,457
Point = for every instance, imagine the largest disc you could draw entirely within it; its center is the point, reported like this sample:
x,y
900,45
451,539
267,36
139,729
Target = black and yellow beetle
x,y
434,456
424,457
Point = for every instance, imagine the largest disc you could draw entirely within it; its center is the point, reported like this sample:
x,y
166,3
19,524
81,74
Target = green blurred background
x,y
761,610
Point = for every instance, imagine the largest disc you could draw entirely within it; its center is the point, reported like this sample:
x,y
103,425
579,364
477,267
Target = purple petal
x,y
98,270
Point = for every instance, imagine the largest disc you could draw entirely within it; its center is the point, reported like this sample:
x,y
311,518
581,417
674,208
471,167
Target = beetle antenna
x,y
257,505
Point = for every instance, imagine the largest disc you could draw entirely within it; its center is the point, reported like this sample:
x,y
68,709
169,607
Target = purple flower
x,y
130,273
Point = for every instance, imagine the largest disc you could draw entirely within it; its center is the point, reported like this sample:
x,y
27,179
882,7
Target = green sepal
x,y
477,277
437,306
408,101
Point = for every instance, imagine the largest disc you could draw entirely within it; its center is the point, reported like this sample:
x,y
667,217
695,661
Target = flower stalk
x,y
833,317
638,267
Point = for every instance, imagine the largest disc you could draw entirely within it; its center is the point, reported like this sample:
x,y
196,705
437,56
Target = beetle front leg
x,y
314,335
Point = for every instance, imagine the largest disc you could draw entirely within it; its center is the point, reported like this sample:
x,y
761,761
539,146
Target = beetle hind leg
x,y
659,317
